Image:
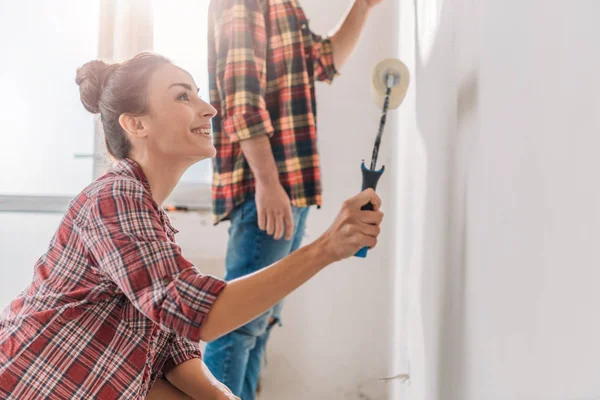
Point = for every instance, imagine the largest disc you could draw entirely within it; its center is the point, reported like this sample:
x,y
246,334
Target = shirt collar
x,y
129,167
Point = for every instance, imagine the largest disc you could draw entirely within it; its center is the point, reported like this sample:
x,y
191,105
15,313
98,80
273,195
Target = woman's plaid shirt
x,y
113,303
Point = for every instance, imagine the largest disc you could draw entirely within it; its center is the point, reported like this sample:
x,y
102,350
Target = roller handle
x,y
370,179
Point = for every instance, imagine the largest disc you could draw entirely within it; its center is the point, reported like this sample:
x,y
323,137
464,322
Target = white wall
x,y
337,334
534,222
504,155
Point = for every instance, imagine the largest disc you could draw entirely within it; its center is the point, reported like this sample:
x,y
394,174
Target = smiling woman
x,y
128,102
113,281
113,292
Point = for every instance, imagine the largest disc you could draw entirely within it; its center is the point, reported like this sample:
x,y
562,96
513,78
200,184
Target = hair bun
x,y
90,79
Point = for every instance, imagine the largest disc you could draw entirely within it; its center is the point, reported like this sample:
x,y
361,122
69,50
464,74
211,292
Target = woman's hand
x,y
353,228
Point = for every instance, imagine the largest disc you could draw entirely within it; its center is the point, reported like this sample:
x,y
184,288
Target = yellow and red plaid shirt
x,y
263,61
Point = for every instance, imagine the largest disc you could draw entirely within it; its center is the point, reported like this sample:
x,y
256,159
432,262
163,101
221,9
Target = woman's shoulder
x,y
117,186
121,190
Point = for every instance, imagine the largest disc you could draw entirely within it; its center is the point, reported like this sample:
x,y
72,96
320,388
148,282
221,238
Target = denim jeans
x,y
235,359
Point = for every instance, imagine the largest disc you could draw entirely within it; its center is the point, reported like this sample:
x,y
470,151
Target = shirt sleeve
x,y
181,350
241,50
127,240
322,55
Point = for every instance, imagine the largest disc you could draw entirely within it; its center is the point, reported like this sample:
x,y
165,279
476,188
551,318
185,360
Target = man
x,y
263,62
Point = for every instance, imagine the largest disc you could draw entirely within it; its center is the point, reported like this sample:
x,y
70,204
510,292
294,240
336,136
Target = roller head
x,y
391,71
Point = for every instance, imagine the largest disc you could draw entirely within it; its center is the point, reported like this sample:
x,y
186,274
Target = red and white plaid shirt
x,y
113,303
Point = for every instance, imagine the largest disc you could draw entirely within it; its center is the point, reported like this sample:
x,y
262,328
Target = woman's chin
x,y
211,153
207,152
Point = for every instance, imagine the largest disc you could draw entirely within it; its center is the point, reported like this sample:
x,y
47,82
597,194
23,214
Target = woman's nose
x,y
206,110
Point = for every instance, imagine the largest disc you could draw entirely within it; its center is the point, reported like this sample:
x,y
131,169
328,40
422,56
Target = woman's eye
x,y
183,96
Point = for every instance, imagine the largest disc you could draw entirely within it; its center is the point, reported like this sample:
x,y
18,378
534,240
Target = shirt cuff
x,y
190,297
248,125
326,59
182,350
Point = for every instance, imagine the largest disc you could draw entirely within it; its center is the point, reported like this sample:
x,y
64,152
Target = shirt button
x,y
166,280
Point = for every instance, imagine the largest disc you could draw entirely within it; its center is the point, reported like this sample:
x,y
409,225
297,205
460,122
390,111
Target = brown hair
x,y
114,89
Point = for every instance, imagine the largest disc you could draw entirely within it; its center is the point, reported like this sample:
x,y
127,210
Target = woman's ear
x,y
133,125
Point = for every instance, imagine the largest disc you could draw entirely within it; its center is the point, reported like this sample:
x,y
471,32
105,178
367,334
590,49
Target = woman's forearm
x,y
163,389
248,297
195,380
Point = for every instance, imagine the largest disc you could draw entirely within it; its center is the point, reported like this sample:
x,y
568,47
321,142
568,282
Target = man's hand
x,y
272,202
274,209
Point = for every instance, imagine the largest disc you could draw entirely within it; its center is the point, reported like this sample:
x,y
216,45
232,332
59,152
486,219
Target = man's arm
x,y
346,36
272,202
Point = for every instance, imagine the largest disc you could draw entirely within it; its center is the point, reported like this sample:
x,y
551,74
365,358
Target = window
x,y
45,130
49,149
180,34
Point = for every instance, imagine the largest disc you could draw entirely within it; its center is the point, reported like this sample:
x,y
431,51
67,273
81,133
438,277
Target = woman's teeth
x,y
203,131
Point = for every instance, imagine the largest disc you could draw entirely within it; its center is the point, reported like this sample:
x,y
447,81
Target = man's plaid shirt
x,y
263,62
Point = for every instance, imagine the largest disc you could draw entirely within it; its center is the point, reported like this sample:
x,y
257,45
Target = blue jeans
x,y
235,359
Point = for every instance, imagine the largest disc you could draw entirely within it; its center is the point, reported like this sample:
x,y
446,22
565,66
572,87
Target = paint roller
x,y
389,86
